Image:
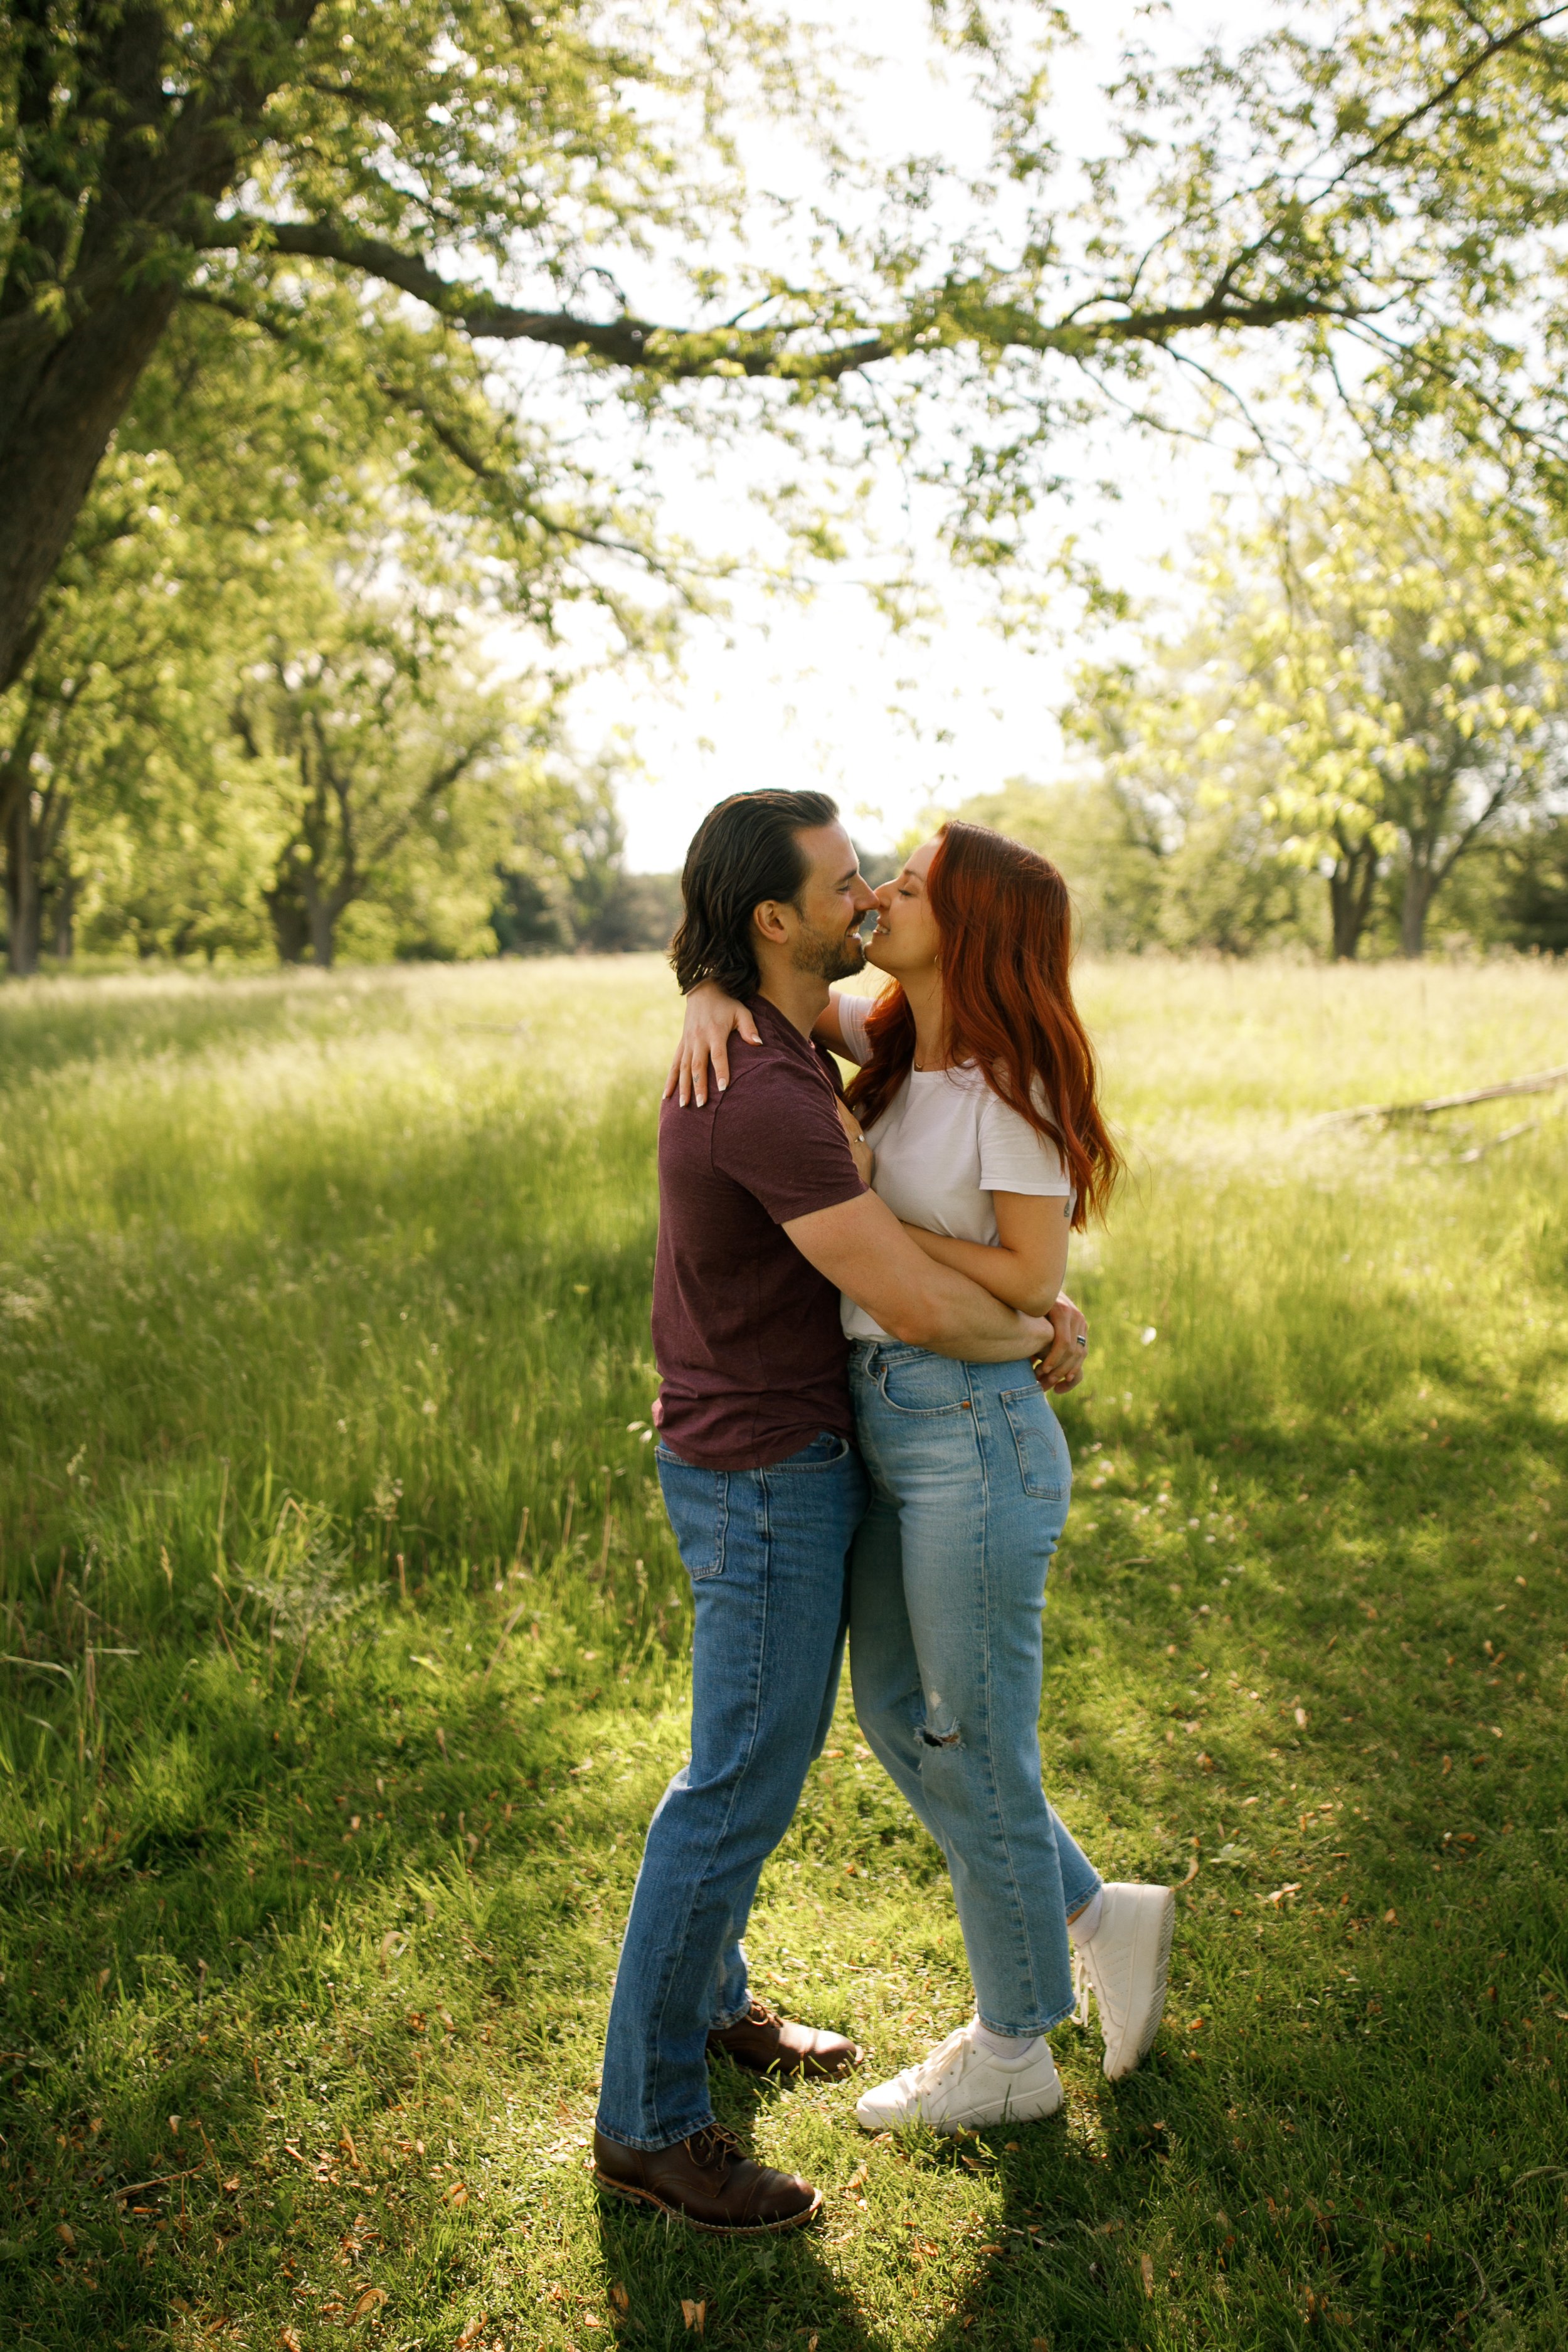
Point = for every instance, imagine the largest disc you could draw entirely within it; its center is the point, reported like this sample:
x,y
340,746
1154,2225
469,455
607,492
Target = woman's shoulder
x,y
991,1087
1017,1157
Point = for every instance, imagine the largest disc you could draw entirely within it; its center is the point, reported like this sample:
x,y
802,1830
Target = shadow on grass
x,y
756,2293
1198,2204
771,2292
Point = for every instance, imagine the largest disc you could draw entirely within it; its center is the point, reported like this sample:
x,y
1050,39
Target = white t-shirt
x,y
945,1145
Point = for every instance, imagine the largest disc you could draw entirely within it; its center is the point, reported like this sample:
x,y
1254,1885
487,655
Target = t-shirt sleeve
x,y
1013,1157
853,1025
778,1133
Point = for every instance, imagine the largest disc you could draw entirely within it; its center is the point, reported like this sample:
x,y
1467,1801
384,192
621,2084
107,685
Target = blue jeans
x,y
766,1552
970,1481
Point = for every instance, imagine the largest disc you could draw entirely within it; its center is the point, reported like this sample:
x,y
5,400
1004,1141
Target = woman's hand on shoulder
x,y
710,1017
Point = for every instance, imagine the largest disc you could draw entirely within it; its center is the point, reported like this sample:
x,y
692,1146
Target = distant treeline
x,y
1350,735
1218,883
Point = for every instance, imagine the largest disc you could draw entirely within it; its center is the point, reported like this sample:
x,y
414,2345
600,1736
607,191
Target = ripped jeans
x,y
970,1481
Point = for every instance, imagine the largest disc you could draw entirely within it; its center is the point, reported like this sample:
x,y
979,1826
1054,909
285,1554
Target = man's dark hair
x,y
745,850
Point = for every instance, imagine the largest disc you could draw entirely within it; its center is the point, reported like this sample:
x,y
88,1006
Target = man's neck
x,y
800,997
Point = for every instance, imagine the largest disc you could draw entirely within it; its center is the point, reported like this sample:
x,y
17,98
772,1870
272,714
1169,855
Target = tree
x,y
380,192
1413,664
1103,844
230,475
563,883
1181,769
1373,688
370,734
107,718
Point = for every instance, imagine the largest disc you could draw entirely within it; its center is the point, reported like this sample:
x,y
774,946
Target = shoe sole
x,y
1155,2010
780,2073
645,2197
982,2119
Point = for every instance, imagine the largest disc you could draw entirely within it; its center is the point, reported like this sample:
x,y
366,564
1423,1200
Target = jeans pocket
x,y
698,1502
822,1454
914,1381
1044,1461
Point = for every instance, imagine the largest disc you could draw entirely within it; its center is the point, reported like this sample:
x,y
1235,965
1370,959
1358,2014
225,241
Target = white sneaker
x,y
962,2084
1125,1964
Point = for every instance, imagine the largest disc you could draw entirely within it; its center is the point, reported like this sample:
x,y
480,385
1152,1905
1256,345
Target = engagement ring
x,y
1081,1340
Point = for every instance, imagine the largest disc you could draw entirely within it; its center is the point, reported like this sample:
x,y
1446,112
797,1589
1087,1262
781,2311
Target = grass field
x,y
345,1658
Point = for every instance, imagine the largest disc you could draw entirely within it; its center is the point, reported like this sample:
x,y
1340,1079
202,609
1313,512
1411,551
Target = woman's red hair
x,y
1005,922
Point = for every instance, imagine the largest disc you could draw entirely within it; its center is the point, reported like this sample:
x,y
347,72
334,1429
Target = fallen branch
x,y
1510,1134
1542,1083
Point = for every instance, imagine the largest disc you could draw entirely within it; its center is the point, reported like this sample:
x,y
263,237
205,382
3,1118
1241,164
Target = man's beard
x,y
830,955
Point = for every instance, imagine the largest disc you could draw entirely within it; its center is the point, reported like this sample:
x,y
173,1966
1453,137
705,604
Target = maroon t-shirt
x,y
745,1331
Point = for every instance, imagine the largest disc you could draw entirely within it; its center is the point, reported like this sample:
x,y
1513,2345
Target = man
x,y
764,1219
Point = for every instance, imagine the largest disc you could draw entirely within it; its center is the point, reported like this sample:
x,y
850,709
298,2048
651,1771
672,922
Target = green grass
x,y
345,1651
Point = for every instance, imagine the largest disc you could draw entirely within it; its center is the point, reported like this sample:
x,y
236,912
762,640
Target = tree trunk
x,y
53,447
286,912
64,914
1420,889
21,888
1350,897
323,926
152,148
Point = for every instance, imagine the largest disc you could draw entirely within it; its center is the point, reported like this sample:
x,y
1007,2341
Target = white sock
x,y
1009,2047
1081,1928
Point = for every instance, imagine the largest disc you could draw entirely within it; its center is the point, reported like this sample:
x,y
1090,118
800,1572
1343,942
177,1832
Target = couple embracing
x,y
856,1312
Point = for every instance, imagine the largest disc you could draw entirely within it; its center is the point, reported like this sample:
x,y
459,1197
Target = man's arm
x,y
861,1246
1027,1265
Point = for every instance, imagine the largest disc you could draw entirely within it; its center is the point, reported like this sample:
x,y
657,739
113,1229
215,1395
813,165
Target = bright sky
x,y
822,695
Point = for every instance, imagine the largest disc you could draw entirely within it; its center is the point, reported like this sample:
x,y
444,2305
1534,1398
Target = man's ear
x,y
768,915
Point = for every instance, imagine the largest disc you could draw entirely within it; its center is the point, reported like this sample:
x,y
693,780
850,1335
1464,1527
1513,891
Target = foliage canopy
x,y
380,191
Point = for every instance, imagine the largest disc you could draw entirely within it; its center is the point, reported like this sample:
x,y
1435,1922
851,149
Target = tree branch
x,y
687,352
1493,46
458,447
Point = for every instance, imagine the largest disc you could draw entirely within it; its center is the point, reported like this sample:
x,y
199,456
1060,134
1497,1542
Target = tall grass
x,y
345,1656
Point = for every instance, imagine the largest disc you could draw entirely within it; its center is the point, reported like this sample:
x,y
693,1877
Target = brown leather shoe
x,y
708,2181
766,2044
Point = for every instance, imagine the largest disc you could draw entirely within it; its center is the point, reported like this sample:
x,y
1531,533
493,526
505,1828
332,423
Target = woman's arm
x,y
1027,1267
710,1018
828,1030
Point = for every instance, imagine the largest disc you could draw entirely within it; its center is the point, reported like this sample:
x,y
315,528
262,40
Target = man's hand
x,y
1061,1366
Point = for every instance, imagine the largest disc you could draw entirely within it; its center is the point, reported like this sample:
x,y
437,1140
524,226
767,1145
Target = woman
x,y
977,1093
